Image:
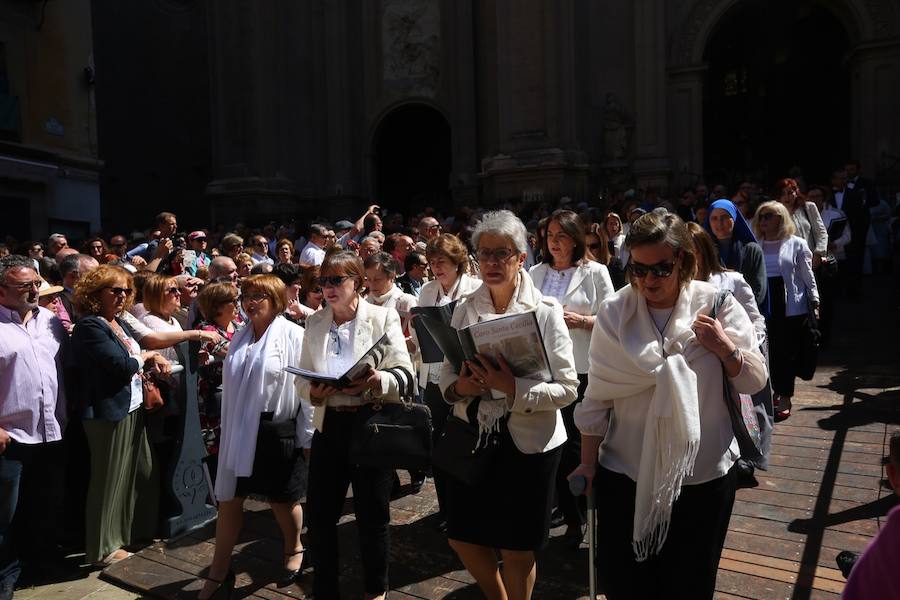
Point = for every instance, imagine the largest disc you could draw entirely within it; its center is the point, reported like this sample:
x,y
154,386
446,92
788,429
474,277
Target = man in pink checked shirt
x,y
32,419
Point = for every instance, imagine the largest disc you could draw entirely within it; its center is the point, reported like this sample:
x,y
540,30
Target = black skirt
x,y
511,508
279,469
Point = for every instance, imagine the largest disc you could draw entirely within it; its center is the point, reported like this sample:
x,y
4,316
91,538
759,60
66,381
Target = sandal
x,y
112,558
292,575
784,413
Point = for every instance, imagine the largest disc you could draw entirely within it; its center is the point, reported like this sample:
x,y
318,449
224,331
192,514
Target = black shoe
x,y
557,518
417,482
845,561
291,575
396,490
225,589
573,536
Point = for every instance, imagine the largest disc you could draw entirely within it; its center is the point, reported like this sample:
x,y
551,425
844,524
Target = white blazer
x,y
428,296
795,267
535,422
371,323
590,285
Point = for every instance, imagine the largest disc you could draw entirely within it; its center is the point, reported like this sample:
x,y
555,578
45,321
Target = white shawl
x,y
635,360
243,399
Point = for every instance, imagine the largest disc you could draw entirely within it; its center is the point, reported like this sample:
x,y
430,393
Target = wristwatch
x,y
735,354
452,396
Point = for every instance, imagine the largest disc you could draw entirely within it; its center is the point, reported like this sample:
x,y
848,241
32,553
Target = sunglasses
x,y
661,270
121,291
332,280
497,255
23,287
174,291
767,216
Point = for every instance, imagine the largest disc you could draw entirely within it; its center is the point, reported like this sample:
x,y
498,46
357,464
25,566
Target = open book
x,y
372,358
517,337
430,349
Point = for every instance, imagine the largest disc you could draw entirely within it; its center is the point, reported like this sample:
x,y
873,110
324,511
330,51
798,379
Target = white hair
x,y
505,223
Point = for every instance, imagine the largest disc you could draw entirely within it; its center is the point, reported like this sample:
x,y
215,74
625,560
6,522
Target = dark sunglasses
x,y
174,291
118,290
661,270
332,280
766,216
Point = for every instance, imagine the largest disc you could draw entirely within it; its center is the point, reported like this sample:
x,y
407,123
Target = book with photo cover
x,y
372,358
517,337
431,351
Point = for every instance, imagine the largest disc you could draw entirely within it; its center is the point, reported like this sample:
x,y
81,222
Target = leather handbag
x,y
740,413
458,451
808,346
393,435
153,397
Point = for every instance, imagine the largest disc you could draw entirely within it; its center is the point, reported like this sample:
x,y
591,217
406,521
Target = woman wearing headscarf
x,y
509,509
655,411
579,285
738,248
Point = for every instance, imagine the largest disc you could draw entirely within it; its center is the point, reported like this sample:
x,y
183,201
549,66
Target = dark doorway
x,y
777,93
412,159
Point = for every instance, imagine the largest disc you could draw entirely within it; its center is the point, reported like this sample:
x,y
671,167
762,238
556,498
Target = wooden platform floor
x,y
824,493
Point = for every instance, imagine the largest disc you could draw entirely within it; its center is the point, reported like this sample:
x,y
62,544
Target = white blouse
x,y
556,283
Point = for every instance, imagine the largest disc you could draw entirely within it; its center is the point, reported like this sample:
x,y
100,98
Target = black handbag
x,y
748,447
808,347
458,452
393,435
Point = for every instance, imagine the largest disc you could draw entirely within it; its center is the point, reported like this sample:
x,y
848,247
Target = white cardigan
x,y
590,285
795,267
734,282
535,423
621,338
370,324
428,296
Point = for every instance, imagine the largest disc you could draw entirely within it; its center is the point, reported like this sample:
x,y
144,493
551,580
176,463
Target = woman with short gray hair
x,y
509,507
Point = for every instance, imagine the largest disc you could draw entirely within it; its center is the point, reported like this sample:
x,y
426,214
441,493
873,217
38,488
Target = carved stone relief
x,y
411,46
618,125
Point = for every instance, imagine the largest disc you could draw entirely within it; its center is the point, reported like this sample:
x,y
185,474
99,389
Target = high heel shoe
x,y
292,575
225,589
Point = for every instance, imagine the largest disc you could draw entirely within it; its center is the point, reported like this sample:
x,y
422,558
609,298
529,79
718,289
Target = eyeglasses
x,y
119,291
431,227
332,280
262,244
496,255
253,298
174,291
24,286
767,215
661,270
198,240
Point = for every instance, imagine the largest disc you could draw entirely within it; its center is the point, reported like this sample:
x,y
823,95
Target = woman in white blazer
x,y
654,409
509,509
448,259
579,285
336,337
793,292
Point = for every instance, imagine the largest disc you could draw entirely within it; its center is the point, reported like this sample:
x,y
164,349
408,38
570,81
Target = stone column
x,y
875,96
685,126
651,163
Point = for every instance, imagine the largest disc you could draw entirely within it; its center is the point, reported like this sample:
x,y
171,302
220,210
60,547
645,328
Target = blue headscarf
x,y
741,231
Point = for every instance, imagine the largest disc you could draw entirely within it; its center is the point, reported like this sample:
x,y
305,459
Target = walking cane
x,y
578,486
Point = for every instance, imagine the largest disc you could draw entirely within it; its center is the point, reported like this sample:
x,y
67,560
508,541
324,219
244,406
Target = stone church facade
x,y
320,104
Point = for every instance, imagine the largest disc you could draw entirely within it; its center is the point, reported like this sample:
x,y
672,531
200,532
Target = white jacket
x,y
535,423
795,262
428,296
371,323
590,285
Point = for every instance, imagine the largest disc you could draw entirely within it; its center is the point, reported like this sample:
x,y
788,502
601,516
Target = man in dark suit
x,y
412,280
855,203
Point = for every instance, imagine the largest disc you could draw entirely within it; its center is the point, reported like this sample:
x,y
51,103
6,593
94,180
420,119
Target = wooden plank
x,y
838,540
825,573
808,488
785,441
852,435
790,515
872,468
800,474
789,452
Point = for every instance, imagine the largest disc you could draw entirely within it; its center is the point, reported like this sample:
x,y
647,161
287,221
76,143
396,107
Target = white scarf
x,y
672,429
243,394
384,300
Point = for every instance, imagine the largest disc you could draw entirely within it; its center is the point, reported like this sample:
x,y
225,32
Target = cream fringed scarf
x,y
634,360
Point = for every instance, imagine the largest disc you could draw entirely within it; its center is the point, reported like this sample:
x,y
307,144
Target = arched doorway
x,y
412,159
776,96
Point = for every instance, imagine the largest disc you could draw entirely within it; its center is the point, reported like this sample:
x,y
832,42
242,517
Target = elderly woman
x,y
805,215
284,251
244,263
579,285
110,365
738,248
710,269
793,292
336,338
381,276
509,509
266,430
654,409
448,258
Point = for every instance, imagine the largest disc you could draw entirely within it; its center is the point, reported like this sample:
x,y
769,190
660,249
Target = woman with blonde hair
x,y
162,299
794,296
110,364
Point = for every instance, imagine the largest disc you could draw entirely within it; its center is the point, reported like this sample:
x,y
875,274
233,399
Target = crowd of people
x,y
622,294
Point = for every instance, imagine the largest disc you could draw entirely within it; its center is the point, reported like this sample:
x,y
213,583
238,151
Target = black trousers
x,y
785,335
574,509
330,473
440,410
686,566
